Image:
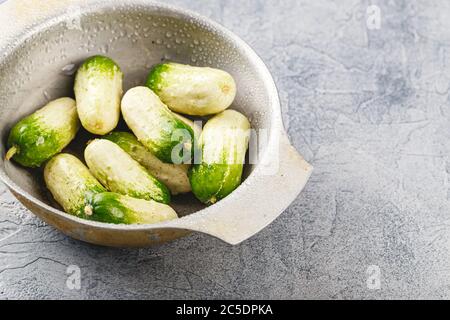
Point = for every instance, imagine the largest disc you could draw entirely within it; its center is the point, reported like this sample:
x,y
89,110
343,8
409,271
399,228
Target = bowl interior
x,y
42,64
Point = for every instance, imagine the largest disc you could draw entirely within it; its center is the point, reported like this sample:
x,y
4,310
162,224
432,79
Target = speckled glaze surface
x,y
44,42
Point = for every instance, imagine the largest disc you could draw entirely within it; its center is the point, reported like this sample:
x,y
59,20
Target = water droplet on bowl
x,y
104,49
46,95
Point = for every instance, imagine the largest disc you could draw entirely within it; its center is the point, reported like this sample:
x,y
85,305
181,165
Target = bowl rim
x,y
52,18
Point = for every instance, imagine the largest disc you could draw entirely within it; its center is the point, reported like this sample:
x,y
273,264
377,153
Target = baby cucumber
x,y
120,209
41,135
224,142
192,90
120,173
174,176
71,184
156,127
98,91
80,194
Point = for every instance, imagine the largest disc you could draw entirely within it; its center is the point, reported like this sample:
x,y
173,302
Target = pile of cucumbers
x,y
129,177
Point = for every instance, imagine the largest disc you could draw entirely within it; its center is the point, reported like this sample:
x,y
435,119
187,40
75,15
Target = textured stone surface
x,y
368,108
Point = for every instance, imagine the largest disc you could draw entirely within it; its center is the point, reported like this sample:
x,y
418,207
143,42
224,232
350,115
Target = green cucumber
x,y
156,127
174,176
41,135
120,209
71,184
224,142
192,90
98,91
120,173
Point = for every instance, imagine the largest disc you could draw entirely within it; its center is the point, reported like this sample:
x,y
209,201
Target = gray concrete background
x,y
368,108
